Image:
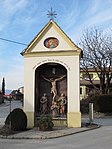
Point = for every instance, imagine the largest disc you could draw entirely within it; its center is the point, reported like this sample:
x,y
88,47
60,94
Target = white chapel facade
x,y
52,55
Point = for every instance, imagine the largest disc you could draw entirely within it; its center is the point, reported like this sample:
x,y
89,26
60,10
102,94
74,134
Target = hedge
x,y
102,103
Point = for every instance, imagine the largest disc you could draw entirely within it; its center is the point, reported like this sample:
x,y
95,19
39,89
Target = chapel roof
x,y
40,34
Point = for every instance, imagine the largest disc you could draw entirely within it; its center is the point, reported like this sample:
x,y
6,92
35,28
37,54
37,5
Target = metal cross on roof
x,y
51,14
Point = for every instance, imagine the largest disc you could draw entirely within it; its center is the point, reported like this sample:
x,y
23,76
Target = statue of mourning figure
x,y
53,85
43,104
62,102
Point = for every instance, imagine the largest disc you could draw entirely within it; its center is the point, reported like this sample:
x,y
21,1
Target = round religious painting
x,y
51,42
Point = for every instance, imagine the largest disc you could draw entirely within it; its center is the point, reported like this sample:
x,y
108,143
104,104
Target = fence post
x,y
91,112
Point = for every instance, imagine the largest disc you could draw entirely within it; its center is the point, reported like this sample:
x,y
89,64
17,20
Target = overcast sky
x,y
21,20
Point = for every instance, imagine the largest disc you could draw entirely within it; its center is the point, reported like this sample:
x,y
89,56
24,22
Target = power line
x,y
16,42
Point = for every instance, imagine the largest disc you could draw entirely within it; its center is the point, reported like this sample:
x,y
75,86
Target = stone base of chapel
x,y
30,119
74,119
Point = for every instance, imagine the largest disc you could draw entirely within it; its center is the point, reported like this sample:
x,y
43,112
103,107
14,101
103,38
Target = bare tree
x,y
97,54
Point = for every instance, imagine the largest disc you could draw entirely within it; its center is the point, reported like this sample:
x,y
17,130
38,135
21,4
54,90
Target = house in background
x,y
86,87
17,95
21,89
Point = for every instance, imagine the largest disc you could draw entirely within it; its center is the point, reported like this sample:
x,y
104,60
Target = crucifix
x,y
51,14
53,85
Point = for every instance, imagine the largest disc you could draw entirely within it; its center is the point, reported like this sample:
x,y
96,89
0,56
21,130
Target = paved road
x,y
5,109
106,121
95,139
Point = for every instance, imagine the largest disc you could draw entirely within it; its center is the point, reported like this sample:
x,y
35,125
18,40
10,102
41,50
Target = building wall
x,y
69,62
83,87
95,76
65,53
40,46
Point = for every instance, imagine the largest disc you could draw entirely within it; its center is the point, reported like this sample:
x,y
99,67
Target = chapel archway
x,y
44,75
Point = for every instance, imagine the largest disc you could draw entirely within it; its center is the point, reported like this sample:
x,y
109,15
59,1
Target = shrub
x,y
84,107
45,123
102,103
18,120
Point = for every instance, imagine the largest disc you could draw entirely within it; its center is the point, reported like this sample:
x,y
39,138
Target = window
x,y
86,77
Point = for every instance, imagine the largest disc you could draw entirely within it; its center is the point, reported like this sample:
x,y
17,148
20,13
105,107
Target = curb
x,y
49,135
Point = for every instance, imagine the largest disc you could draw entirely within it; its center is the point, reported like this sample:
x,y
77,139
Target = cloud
x,y
101,17
12,6
94,16
69,14
14,77
93,7
13,72
8,8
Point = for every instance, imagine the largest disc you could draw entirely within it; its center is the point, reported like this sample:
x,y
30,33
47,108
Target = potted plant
x,y
45,123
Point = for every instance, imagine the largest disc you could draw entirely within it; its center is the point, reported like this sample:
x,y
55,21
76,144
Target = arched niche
x,y
54,71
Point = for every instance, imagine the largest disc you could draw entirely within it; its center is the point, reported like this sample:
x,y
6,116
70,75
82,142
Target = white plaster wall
x,y
28,87
71,63
73,85
40,46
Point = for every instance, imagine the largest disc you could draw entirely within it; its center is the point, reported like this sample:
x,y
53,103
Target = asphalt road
x,y
95,139
5,109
